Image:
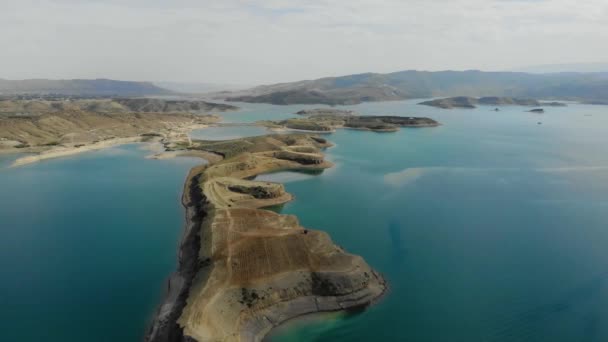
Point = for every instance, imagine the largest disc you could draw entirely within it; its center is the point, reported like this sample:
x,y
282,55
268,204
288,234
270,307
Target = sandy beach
x,y
171,135
69,151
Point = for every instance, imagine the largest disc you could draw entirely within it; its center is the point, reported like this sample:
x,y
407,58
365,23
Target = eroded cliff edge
x,y
244,270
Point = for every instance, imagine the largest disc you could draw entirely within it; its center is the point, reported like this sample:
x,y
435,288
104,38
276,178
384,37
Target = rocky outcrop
x,y
251,269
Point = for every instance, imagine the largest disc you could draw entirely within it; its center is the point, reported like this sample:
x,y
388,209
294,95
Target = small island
x,y
328,120
473,102
537,110
244,270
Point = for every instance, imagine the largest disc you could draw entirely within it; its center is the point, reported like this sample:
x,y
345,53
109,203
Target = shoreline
x,y
319,314
70,151
168,136
163,325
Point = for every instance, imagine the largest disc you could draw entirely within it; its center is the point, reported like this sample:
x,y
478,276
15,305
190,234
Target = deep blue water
x,y
491,227
86,244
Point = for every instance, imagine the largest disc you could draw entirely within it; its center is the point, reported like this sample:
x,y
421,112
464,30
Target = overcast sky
x,y
255,42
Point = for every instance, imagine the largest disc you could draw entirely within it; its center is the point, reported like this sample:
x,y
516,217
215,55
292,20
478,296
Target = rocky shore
x,y
244,270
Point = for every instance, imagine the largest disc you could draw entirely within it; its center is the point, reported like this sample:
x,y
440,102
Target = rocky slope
x,y
35,125
55,129
244,270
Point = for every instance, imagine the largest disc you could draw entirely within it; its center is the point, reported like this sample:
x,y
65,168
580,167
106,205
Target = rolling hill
x,y
411,84
80,87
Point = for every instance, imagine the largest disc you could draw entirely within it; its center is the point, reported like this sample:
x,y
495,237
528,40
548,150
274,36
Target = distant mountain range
x,y
80,87
571,67
411,84
352,89
198,87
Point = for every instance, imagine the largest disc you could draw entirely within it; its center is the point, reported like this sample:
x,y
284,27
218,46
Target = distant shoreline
x,y
65,151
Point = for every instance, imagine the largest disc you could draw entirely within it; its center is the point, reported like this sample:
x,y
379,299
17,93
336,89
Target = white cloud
x,y
254,42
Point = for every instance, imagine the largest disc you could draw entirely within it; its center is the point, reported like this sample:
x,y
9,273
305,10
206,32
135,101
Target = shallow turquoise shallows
x,y
491,227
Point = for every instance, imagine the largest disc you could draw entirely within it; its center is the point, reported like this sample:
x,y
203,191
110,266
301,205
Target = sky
x,y
262,42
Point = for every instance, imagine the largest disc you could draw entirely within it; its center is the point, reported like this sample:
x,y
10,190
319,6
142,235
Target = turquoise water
x,y
490,227
86,244
252,112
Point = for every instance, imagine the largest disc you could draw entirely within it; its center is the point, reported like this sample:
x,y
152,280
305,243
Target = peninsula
x,y
244,270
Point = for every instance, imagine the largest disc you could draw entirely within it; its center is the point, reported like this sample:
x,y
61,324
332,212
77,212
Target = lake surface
x,y
491,227
488,228
86,244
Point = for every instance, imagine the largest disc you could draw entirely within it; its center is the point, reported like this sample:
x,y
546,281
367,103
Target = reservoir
x,y
490,227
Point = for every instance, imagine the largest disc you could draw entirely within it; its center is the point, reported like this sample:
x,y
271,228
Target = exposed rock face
x,y
471,102
254,268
